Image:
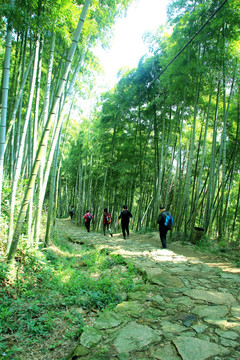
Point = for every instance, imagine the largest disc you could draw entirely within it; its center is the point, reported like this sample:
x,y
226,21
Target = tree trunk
x,y
211,184
22,145
43,144
5,88
52,193
203,150
41,194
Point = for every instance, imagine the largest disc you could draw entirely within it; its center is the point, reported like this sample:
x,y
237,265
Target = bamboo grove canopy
x,y
175,142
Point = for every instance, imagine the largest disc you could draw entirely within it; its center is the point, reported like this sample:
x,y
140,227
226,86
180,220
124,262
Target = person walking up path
x,y
163,229
125,216
107,219
72,212
88,217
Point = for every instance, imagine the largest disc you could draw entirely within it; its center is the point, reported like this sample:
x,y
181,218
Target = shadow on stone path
x,y
186,309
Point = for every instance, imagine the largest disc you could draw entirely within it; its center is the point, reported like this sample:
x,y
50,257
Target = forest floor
x,y
187,305
75,233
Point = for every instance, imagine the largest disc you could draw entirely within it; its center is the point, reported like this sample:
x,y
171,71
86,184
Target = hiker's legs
x,y
104,229
109,229
87,224
123,230
127,229
163,237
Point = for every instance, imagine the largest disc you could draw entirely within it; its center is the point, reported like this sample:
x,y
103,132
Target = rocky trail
x,y
188,307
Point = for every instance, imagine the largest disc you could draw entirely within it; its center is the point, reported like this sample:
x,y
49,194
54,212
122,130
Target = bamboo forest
x,y
165,135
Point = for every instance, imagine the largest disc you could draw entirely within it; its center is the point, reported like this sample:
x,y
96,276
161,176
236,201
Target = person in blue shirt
x,y
162,228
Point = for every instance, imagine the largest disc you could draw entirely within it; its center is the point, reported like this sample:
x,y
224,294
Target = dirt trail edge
x,y
187,309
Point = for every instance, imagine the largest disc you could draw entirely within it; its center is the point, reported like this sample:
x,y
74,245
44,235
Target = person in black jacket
x,y
125,217
72,212
162,228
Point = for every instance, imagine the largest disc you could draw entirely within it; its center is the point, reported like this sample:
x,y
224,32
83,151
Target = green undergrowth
x,y
225,248
228,250
145,230
46,289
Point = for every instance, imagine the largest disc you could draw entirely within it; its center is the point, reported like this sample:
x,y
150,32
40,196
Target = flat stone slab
x,y
229,343
80,351
191,348
168,327
235,311
134,336
132,308
183,300
108,320
157,276
137,295
152,314
90,337
189,319
167,352
214,297
233,277
224,324
211,312
157,299
200,328
227,334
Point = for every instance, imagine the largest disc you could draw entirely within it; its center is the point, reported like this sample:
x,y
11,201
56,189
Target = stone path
x,y
185,310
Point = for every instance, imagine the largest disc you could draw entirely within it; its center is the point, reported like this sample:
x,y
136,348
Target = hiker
x,y
125,216
107,219
72,212
163,228
88,217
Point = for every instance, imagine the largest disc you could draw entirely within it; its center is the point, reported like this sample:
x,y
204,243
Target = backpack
x,y
108,218
89,217
168,221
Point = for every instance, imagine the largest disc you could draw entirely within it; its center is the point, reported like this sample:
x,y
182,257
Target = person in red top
x,y
107,219
88,217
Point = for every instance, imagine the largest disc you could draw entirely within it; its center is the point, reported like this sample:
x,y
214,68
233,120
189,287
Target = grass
x,y
46,290
228,250
145,230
